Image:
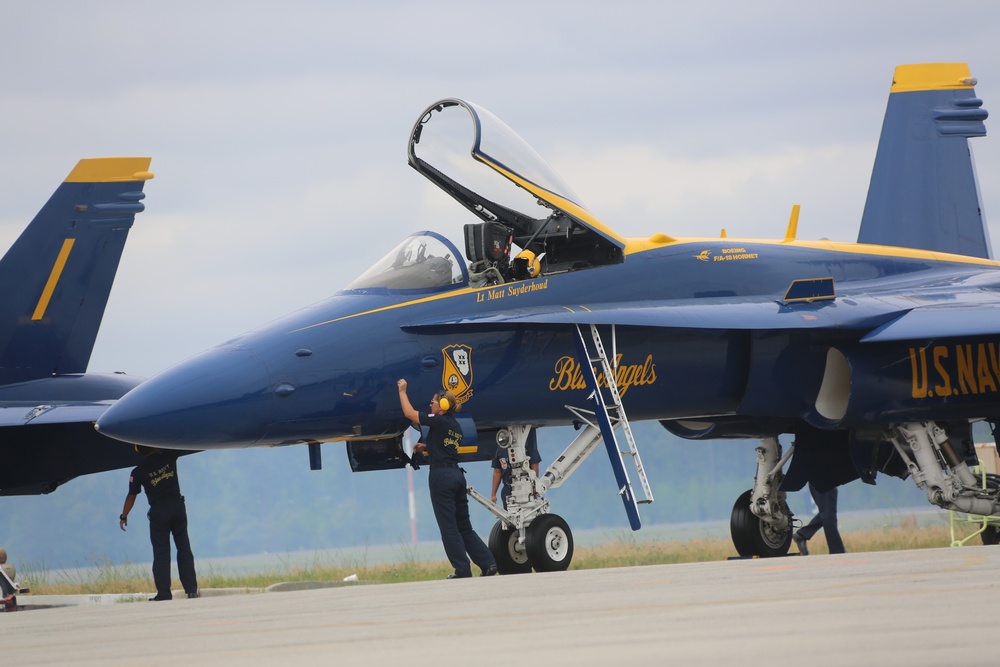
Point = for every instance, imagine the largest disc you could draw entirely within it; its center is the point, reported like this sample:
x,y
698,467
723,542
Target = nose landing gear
x,y
550,543
527,535
509,550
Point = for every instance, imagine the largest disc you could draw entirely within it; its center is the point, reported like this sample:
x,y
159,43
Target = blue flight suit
x,y
449,497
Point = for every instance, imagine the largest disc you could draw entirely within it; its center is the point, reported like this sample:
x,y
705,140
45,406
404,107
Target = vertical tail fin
x,y
57,276
923,192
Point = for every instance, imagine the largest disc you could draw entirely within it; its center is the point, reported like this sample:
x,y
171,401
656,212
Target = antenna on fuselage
x,y
793,224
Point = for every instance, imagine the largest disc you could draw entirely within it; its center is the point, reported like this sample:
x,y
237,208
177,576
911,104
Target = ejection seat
x,y
487,247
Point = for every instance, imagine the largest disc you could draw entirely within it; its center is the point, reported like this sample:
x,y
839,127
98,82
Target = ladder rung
x,y
614,411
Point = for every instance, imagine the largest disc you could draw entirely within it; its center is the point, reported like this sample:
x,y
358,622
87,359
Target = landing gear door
x,y
381,454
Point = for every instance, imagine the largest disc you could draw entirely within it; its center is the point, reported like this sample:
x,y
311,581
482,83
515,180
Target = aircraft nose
x,y
216,399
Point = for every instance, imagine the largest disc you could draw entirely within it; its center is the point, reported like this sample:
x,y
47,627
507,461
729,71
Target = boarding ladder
x,y
611,416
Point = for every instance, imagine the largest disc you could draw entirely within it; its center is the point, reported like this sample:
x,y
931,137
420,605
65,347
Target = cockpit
x,y
525,208
423,261
474,157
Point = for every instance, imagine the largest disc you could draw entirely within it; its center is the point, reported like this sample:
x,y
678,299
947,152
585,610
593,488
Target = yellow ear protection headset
x,y
447,401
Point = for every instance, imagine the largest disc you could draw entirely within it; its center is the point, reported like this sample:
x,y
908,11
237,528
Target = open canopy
x,y
473,156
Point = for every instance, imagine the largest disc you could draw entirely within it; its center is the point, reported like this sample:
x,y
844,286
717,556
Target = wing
x,y
879,319
48,445
860,314
940,321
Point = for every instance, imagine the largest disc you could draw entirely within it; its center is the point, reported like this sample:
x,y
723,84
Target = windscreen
x,y
422,261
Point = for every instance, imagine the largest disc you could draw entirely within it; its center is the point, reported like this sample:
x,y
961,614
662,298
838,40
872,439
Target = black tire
x,y
510,559
550,543
991,535
752,537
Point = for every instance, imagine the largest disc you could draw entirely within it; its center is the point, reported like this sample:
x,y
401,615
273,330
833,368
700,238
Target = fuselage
x,y
328,371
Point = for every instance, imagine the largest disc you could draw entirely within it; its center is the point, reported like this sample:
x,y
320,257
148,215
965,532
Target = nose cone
x,y
219,398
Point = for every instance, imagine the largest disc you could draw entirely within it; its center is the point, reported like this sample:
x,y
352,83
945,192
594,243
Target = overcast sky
x,y
278,130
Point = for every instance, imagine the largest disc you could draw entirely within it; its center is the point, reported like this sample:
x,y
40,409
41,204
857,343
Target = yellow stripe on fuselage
x,y
426,299
656,241
108,169
931,76
50,286
913,77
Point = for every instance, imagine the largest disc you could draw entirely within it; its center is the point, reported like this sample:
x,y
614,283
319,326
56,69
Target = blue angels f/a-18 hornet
x,y
876,356
57,278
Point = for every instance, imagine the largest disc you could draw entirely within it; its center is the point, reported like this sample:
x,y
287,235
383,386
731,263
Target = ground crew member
x,y
8,575
157,476
501,468
826,518
447,484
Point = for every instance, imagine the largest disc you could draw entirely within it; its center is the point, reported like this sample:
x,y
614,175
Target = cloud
x,y
639,190
278,133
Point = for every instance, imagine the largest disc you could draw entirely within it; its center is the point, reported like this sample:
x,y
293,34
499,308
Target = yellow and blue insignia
x,y
457,374
704,255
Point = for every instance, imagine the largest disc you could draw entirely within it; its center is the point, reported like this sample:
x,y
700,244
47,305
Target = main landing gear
x,y
938,461
940,470
761,522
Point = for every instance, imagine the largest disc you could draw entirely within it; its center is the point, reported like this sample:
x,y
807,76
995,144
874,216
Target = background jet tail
x,y
923,192
57,276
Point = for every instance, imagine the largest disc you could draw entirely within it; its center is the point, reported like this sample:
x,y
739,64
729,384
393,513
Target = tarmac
x,y
926,607
35,602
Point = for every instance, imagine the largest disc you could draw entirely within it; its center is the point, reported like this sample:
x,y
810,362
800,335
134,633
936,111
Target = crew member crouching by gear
x,y
447,484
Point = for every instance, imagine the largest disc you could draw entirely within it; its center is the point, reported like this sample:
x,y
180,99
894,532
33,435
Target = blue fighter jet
x,y
56,280
875,356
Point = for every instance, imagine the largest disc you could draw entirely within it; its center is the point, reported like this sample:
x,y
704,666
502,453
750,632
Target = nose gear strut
x,y
526,534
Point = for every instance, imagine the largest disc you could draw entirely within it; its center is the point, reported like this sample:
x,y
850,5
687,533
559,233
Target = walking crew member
x,y
826,518
157,476
447,484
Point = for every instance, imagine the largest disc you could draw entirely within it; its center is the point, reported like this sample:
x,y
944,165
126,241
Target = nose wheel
x,y
548,546
549,543
510,555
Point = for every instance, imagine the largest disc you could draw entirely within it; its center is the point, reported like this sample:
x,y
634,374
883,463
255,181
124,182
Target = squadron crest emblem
x,y
457,374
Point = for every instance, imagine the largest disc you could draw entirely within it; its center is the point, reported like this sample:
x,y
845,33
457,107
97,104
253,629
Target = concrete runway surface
x,y
927,607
